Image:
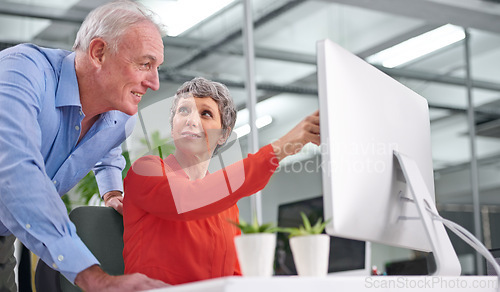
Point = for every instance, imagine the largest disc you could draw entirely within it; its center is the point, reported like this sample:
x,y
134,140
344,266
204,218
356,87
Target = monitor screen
x,y
345,254
365,117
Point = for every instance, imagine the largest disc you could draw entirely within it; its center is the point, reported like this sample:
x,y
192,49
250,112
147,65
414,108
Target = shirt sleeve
x,y
156,189
108,171
30,206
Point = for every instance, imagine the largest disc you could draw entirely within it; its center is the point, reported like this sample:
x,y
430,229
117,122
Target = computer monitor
x,y
376,158
346,257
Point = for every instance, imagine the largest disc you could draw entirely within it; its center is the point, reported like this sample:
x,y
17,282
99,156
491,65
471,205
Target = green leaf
x,y
126,155
67,202
247,228
305,228
307,224
318,226
87,187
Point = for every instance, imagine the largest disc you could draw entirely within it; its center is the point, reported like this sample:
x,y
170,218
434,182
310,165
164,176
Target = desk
x,y
340,284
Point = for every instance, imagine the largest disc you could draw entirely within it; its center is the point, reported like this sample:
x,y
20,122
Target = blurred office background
x,y
460,79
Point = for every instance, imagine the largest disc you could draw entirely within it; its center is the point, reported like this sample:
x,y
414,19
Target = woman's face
x,y
197,126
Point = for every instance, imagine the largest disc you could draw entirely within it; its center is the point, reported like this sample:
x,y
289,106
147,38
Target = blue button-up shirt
x,y
41,158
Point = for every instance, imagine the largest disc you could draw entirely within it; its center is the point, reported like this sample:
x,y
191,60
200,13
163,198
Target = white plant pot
x,y
310,254
256,253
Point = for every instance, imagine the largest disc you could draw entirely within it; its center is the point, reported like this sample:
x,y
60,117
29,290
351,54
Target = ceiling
x,y
285,35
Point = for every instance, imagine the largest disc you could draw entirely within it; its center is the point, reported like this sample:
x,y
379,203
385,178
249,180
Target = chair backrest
x,y
101,229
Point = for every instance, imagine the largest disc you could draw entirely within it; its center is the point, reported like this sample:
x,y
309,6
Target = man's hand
x,y
114,200
95,279
304,132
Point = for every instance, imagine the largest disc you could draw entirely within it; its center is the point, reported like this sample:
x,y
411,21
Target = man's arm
x,y
108,173
30,206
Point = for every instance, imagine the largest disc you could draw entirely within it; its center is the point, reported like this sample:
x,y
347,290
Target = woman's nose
x,y
192,120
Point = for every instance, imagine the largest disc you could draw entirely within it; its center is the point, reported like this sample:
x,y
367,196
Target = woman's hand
x,y
304,132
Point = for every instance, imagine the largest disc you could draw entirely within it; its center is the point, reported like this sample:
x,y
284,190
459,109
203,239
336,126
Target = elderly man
x,y
62,114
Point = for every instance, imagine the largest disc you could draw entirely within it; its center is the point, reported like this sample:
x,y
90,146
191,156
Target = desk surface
x,y
337,283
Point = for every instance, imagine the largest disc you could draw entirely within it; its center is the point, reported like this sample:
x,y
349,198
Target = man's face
x,y
129,73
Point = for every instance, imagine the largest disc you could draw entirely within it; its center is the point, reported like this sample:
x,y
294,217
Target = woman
x,y
175,212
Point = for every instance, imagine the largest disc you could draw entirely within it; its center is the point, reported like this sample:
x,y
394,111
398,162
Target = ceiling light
x,y
260,123
418,46
181,15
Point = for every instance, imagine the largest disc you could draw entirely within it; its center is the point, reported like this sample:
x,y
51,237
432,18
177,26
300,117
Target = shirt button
x,y
77,128
81,113
54,265
60,258
28,226
55,181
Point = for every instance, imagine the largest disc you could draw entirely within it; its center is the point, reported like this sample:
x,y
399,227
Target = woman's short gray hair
x,y
201,87
111,21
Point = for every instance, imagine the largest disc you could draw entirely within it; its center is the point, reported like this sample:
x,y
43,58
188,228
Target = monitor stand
x,y
447,263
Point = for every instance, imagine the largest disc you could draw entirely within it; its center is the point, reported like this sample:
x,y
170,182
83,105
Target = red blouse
x,y
168,236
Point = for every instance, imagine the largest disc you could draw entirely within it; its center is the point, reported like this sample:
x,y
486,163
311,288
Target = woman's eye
x,y
206,114
182,109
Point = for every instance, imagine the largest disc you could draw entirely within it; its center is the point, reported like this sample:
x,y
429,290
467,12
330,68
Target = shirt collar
x,y
67,93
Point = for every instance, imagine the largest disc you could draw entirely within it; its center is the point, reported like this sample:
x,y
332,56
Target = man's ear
x,y
97,49
224,136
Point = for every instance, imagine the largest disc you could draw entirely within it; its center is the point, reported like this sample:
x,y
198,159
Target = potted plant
x,y
255,248
310,248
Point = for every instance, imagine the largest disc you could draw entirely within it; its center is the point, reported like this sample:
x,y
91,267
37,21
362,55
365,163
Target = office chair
x,y
101,229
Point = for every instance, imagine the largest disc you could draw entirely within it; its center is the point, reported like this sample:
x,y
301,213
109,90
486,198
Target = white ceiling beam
x,y
42,12
483,15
